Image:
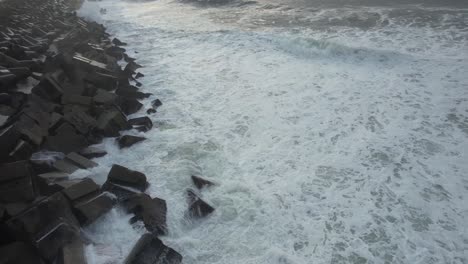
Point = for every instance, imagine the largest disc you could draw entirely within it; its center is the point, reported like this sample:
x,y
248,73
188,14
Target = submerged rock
x,y
128,140
197,207
200,182
150,250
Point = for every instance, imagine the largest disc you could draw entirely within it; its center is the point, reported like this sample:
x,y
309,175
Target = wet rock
x,y
82,122
77,99
66,140
93,152
111,122
16,182
128,140
92,209
104,97
73,253
49,88
42,217
103,80
197,207
47,182
151,211
126,177
150,111
83,188
50,241
156,103
19,253
80,161
65,166
138,75
131,67
131,92
22,151
129,105
117,42
150,250
200,182
141,123
120,191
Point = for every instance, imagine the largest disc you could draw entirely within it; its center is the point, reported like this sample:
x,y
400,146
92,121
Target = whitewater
x,y
335,134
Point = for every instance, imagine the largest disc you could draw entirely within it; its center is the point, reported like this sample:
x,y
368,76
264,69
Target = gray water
x,y
336,131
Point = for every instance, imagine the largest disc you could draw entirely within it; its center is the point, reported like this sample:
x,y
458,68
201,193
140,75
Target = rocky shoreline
x,y
62,91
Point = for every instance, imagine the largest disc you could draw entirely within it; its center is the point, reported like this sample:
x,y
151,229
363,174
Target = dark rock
x,y
138,75
77,99
156,103
129,105
22,151
41,217
52,239
128,140
19,253
150,250
131,67
82,122
143,122
47,182
16,183
83,188
129,93
150,111
28,128
90,210
197,207
151,211
111,122
122,192
117,42
103,80
92,152
80,161
123,176
66,140
73,253
65,166
200,182
49,88
104,97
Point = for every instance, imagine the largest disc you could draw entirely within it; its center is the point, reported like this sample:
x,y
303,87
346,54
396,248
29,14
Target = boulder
x,y
66,140
150,250
83,122
65,166
117,42
77,99
138,75
128,140
197,207
156,103
16,182
129,105
92,152
104,97
143,123
19,253
41,217
126,177
150,111
151,211
111,122
73,253
51,240
22,151
200,182
81,189
90,210
80,161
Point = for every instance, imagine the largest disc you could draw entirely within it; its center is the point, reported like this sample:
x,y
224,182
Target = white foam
x,y
340,153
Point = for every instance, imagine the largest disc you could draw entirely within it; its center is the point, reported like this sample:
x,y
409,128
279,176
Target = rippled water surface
x,y
336,134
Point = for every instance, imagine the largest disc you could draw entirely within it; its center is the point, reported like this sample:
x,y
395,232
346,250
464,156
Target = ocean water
x,y
337,132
